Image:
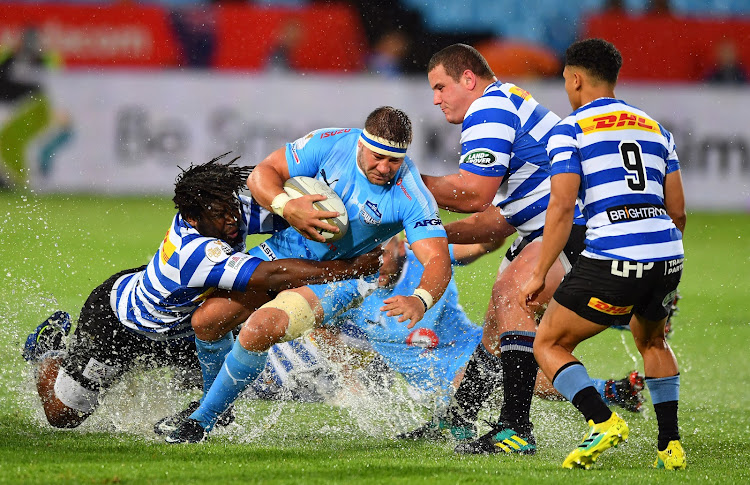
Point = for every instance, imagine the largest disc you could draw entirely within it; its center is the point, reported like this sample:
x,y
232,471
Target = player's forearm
x,y
486,227
295,273
557,226
674,199
451,192
436,276
468,253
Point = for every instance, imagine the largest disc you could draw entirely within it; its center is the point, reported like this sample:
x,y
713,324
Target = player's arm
x,y
674,199
292,273
266,183
488,226
434,255
557,226
463,191
468,253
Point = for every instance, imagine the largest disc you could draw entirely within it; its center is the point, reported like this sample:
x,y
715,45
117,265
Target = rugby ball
x,y
298,186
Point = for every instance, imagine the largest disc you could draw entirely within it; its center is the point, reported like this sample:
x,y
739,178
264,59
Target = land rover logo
x,y
480,157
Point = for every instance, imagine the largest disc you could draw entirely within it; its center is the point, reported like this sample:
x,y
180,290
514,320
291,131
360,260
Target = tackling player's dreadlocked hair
x,y
212,184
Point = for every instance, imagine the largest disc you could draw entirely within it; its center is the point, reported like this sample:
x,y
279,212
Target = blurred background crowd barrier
x,y
109,97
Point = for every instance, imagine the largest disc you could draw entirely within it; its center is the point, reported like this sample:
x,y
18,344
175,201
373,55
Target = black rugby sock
x,y
483,375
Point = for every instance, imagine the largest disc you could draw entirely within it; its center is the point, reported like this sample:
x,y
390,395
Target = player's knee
x,y
297,317
651,343
265,327
212,320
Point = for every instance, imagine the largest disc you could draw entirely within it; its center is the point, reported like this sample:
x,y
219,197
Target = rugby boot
x,y
49,335
502,438
601,437
626,393
673,458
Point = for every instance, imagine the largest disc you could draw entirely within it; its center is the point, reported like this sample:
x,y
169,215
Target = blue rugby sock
x,y
570,379
664,389
240,369
665,395
573,382
211,355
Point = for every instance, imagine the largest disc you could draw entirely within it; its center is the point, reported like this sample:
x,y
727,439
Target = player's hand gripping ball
x,y
298,186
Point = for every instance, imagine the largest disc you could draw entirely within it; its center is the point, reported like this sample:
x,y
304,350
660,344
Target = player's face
x,y
452,97
571,87
379,169
394,256
220,222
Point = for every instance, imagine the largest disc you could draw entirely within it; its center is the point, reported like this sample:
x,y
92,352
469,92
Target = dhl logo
x,y
605,307
619,120
167,249
520,92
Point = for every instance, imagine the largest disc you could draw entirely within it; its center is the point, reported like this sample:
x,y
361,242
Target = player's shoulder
x,y
409,178
325,136
496,96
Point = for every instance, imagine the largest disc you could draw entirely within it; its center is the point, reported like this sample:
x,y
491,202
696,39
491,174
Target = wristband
x,y
278,203
424,296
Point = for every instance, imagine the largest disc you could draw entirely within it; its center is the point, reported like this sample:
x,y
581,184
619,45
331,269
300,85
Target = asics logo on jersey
x,y
608,308
617,120
634,212
480,157
268,252
623,268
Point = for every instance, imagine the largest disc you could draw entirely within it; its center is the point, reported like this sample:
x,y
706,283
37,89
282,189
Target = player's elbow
x,y
253,180
468,204
679,218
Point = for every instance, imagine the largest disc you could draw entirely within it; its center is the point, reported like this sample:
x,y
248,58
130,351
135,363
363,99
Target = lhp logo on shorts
x,y
609,309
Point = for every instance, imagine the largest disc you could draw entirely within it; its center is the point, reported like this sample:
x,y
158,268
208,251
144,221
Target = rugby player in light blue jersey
x,y
622,166
431,357
503,139
383,194
143,314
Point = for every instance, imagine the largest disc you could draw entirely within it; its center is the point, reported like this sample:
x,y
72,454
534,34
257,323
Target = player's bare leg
x,y
663,382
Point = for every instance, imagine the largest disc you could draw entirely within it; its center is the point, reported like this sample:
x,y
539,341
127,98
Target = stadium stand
x,y
337,36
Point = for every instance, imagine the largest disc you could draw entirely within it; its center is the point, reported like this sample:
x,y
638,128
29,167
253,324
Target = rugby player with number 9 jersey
x,y
621,165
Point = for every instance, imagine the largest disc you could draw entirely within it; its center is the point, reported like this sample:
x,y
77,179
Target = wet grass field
x,y
56,249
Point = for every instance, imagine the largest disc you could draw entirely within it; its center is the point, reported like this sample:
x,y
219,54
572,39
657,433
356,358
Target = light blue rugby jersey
x,y
376,213
158,302
428,356
622,156
504,134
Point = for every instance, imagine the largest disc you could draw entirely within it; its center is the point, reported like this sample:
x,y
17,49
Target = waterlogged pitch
x,y
55,250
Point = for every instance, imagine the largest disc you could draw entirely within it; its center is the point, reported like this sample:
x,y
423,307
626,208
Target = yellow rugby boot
x,y
673,458
601,437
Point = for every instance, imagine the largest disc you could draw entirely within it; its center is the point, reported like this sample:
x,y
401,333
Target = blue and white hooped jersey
x,y
622,156
187,267
376,213
504,134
